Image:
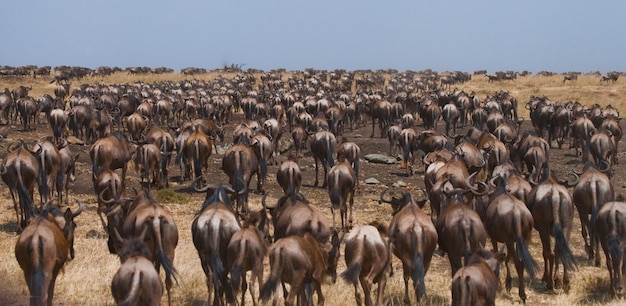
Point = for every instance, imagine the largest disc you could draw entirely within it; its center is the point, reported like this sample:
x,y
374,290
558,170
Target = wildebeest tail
x,y
329,153
43,177
237,267
335,192
270,285
240,183
135,289
94,167
561,245
419,272
38,276
220,280
351,274
26,203
168,266
522,250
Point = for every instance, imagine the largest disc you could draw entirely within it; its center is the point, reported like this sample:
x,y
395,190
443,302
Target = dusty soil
x,y
90,235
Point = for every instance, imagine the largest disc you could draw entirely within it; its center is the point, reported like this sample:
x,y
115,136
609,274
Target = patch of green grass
x,y
168,195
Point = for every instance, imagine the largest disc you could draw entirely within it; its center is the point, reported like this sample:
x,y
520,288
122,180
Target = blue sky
x,y
558,35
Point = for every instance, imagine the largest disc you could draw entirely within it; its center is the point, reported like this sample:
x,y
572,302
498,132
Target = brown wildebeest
x,y
42,249
196,151
553,214
368,260
136,282
289,176
323,144
351,152
414,240
460,229
67,173
478,282
162,235
341,187
240,164
509,221
293,215
299,261
594,188
147,162
49,159
611,230
112,152
20,171
246,250
212,229
108,187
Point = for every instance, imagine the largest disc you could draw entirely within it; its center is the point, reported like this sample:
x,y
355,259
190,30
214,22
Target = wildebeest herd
x,y
491,183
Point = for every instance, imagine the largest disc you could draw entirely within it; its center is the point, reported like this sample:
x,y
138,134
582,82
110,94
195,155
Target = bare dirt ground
x,y
86,279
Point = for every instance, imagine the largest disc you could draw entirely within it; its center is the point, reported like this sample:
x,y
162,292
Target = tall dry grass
x,y
87,278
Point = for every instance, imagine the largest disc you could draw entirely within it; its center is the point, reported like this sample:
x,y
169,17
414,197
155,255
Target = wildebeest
x,y
147,163
509,221
43,248
112,152
553,213
240,164
611,230
289,176
460,229
414,239
20,171
49,159
368,261
136,282
323,146
162,235
212,228
301,262
67,172
27,109
341,187
293,215
246,250
594,188
477,282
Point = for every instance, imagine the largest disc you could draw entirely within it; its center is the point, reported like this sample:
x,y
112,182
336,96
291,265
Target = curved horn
x,y
194,185
531,177
382,197
101,197
81,206
117,235
63,144
607,168
576,172
570,185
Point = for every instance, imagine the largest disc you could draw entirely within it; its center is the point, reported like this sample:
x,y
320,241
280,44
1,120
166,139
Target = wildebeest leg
x,y
519,266
351,204
357,291
296,288
367,287
406,278
584,223
325,174
316,172
18,209
548,260
373,125
382,283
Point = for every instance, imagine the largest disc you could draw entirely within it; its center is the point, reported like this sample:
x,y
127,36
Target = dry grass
x,y
87,279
